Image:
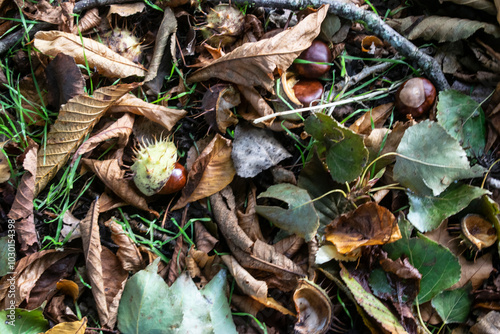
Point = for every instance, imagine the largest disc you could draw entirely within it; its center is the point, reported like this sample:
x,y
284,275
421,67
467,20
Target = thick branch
x,y
347,10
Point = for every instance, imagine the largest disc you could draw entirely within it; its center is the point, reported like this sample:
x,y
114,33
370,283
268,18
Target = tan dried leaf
x,y
125,9
90,20
253,64
22,208
484,5
76,119
95,54
211,172
114,278
441,29
109,172
4,166
75,327
91,241
121,129
167,117
43,10
28,270
377,115
128,253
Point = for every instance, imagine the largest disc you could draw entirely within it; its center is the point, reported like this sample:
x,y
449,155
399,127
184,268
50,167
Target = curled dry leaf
x,y
95,54
88,21
28,270
22,208
251,286
113,177
69,288
91,241
76,119
121,129
164,116
64,81
314,308
128,253
114,278
42,11
253,64
370,224
211,172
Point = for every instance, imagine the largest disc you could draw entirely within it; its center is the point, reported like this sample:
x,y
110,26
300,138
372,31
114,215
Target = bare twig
x,y
347,10
7,42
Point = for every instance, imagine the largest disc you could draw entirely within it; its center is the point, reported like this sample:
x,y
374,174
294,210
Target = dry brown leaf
x,y
257,107
125,9
253,64
95,54
43,10
76,119
248,220
57,310
28,270
22,208
88,21
109,202
484,5
114,278
164,116
4,166
377,115
370,224
204,240
128,254
121,129
472,271
109,172
211,172
92,249
252,287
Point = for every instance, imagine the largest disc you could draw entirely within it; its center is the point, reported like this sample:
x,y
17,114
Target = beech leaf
x,y
93,53
430,160
299,217
76,119
253,64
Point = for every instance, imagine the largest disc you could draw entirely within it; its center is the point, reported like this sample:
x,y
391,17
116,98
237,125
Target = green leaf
x,y
298,218
148,305
427,212
372,306
20,321
440,269
431,159
317,181
346,154
464,120
379,283
453,306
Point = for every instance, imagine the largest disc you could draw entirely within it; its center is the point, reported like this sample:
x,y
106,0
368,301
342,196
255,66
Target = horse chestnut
x,y
317,52
176,181
415,97
307,91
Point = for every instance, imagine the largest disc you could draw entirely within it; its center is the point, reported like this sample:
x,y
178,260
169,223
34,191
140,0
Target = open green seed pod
x,y
314,308
477,232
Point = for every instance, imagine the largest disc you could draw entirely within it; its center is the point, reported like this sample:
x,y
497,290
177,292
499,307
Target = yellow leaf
x,y
75,327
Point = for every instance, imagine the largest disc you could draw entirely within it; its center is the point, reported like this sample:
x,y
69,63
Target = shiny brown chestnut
x,y
176,181
307,91
415,97
317,52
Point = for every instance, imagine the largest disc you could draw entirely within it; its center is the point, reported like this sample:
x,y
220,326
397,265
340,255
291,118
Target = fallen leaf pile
x,y
345,215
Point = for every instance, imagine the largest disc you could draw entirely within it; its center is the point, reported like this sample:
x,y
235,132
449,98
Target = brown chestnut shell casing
x,y
176,181
307,91
317,52
415,97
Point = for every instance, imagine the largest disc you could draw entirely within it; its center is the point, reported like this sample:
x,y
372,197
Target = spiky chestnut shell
x,y
125,43
154,163
224,24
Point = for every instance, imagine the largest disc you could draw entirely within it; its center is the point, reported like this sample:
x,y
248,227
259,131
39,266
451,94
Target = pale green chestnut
x,y
154,163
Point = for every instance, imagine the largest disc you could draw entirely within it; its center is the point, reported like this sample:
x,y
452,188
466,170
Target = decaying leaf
x,y
211,172
127,253
121,129
4,166
113,177
441,29
75,327
217,103
27,272
76,119
370,224
167,117
253,64
255,150
43,10
95,54
22,208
